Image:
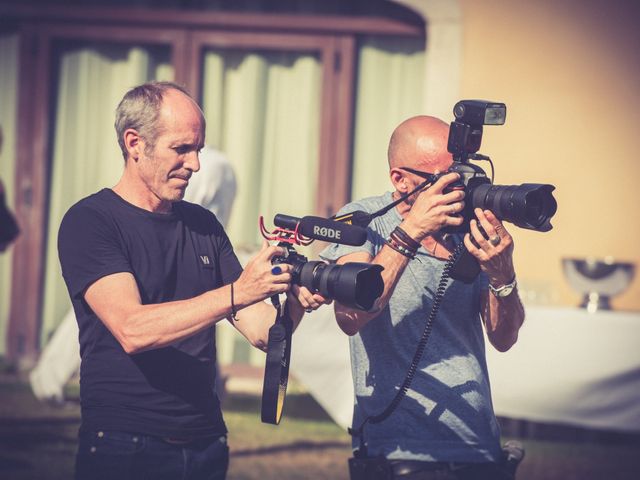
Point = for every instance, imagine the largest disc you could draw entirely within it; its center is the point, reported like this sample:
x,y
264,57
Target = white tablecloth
x,y
571,367
568,367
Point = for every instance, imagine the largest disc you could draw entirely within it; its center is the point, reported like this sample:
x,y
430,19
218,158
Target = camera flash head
x,y
480,112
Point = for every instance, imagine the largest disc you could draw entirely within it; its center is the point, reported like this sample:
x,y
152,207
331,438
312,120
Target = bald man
x,y
149,276
444,427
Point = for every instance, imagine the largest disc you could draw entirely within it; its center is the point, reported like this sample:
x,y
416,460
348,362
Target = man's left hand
x,y
303,299
494,251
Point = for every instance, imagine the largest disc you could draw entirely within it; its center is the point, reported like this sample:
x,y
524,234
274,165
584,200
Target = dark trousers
x,y
112,455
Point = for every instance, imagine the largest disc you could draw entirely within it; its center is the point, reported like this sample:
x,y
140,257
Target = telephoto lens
x,y
356,285
530,205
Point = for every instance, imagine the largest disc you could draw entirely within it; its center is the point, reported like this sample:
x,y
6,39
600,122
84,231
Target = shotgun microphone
x,y
323,229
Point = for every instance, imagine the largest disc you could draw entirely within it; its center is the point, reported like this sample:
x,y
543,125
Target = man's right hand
x,y
258,280
433,209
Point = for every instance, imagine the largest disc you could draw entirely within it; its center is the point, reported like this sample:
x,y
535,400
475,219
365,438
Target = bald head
x,y
421,143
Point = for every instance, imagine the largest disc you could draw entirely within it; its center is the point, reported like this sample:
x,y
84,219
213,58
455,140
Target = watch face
x,y
505,291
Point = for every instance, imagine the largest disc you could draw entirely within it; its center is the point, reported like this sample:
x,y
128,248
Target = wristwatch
x,y
504,290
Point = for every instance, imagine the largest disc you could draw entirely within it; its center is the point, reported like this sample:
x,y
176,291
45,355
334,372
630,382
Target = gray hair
x,y
139,109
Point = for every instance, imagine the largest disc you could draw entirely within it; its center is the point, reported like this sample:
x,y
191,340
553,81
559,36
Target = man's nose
x,y
192,162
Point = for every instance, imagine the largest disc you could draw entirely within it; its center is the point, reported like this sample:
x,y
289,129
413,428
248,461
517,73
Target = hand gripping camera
x,y
357,285
530,205
354,284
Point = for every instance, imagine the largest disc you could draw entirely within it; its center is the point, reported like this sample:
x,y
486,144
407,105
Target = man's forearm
x,y
139,327
154,326
352,320
255,321
503,318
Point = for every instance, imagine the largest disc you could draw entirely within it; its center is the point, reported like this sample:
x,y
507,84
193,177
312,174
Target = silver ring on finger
x,y
495,240
308,310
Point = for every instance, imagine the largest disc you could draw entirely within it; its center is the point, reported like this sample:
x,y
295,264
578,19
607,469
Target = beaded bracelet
x,y
393,235
410,254
399,242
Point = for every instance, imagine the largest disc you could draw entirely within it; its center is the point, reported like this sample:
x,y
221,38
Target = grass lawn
x,y
38,442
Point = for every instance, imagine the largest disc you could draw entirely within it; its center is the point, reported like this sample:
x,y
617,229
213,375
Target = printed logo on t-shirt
x,y
206,261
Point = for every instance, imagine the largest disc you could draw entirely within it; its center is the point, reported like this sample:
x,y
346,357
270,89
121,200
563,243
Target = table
x,y
569,367
572,367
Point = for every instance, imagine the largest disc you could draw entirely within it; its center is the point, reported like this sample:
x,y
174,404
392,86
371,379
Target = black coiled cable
x,y
426,333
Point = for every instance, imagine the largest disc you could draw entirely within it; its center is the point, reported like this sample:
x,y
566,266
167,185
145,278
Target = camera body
x,y
529,205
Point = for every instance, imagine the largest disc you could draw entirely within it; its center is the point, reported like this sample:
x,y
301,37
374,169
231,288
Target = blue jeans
x,y
115,455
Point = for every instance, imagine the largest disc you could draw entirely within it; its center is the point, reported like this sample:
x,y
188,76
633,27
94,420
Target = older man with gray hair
x,y
149,276
214,188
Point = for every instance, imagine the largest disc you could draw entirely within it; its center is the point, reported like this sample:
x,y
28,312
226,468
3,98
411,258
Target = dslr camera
x,y
530,205
354,284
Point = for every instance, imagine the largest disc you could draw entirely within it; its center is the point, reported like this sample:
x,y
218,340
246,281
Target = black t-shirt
x,y
168,391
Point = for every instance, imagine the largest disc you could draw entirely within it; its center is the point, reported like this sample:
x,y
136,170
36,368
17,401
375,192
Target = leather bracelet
x,y
398,241
401,249
406,238
234,312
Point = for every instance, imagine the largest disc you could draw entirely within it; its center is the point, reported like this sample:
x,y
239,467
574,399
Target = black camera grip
x,y
276,372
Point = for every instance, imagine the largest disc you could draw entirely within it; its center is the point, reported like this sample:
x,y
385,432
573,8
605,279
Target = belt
x,y
178,440
188,440
407,467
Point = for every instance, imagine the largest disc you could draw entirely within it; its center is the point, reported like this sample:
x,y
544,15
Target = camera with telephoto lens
x,y
530,205
353,284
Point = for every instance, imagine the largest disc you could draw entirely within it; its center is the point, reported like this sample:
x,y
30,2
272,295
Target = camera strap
x,y
363,219
276,372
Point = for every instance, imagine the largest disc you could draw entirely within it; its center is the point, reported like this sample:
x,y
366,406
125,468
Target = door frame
x,y
334,36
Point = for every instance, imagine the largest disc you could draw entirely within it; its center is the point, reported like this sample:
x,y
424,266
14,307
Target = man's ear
x,y
399,180
134,144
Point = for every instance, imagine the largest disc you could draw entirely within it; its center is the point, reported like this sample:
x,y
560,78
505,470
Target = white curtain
x,y
390,89
91,81
263,111
8,116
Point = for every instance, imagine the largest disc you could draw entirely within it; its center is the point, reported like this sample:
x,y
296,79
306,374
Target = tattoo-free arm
x,y
115,299
254,321
351,320
503,318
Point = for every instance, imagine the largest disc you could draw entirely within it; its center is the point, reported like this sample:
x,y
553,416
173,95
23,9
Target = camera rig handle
x,y
276,371
284,235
